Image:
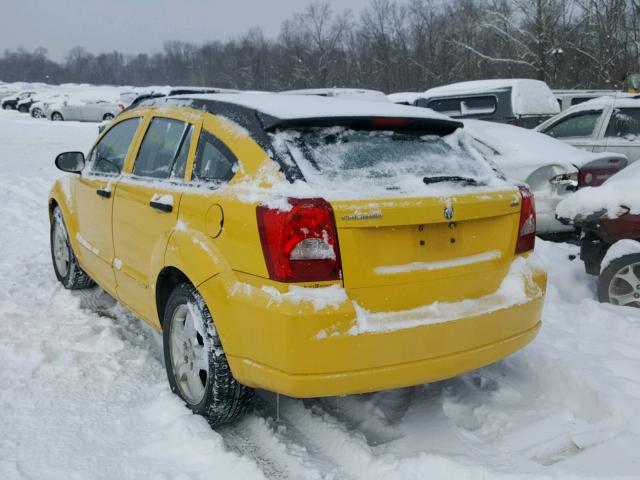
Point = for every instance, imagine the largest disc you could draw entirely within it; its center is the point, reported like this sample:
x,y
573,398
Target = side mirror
x,y
71,162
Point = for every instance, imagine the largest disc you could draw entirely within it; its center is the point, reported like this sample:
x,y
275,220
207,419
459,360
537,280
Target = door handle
x,y
103,193
163,207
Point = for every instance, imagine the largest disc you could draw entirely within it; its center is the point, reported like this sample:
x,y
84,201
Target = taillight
x,y
300,245
597,172
527,226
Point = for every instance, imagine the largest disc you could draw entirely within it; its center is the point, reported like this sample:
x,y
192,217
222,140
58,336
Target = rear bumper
x,y
313,349
382,378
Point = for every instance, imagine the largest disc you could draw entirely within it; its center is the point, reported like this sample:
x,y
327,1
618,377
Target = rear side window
x,y
478,105
215,163
448,106
161,148
624,123
578,125
579,100
108,156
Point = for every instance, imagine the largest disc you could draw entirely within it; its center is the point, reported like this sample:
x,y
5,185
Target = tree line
x,y
402,45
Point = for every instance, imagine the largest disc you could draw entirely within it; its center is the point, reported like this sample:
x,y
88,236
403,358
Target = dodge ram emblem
x,y
448,213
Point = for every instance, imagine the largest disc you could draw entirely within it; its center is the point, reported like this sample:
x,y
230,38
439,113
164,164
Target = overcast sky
x,y
134,26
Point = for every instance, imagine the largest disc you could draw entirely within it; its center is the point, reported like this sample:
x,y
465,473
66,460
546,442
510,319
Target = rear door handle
x,y
103,193
163,207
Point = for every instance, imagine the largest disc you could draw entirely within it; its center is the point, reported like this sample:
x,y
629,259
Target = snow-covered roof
x,y
620,100
578,93
353,93
291,107
617,194
528,96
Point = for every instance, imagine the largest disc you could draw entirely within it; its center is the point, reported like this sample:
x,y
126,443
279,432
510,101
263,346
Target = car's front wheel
x,y
107,117
57,117
619,282
37,113
196,364
65,263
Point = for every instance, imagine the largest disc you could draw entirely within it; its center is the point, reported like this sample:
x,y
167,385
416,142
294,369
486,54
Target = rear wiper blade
x,y
451,178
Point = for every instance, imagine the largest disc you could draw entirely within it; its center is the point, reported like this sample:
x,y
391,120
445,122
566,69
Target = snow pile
x,y
618,195
319,298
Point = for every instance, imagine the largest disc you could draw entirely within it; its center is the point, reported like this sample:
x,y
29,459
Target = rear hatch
x,y
403,254
420,217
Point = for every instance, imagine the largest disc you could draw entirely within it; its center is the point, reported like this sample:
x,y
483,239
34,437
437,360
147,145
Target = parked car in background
x,y
24,105
610,124
315,247
87,107
522,102
570,98
553,169
11,101
609,217
343,93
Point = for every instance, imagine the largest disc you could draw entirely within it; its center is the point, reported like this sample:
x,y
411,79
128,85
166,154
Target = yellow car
x,y
304,245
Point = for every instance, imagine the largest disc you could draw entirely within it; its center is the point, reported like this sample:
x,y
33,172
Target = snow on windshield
x,y
363,163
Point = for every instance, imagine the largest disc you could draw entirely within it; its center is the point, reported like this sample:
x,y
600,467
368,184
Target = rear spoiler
x,y
435,126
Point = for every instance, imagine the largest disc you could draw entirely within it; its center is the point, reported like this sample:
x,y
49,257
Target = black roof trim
x,y
432,125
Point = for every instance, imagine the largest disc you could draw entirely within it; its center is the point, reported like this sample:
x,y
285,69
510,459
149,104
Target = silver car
x,y
605,124
82,109
553,169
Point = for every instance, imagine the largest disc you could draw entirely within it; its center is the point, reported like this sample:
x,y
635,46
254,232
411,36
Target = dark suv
x,y
522,102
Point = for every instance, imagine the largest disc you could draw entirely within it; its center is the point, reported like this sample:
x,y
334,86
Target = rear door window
x,y
215,163
447,106
161,149
624,123
579,125
109,154
478,105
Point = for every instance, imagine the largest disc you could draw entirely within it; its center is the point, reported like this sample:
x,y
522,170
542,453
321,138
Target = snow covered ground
x,y
83,392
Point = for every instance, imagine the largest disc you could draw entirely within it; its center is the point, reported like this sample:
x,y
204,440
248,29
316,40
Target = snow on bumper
x,y
321,343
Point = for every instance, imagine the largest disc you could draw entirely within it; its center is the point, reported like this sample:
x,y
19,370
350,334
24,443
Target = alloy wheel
x,y
624,288
189,356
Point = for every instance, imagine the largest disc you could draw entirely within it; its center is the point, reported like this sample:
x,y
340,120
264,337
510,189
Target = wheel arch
x,y
168,279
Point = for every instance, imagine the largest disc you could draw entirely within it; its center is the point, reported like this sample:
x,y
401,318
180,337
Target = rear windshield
x,y
371,161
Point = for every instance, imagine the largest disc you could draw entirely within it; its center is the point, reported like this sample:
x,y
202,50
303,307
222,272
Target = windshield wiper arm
x,y
451,178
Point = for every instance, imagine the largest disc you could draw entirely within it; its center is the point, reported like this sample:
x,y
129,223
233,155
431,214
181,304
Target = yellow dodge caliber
x,y
304,245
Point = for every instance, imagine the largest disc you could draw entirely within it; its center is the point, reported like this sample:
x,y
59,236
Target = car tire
x,y
107,116
196,364
23,109
37,113
6,106
619,283
57,117
65,263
